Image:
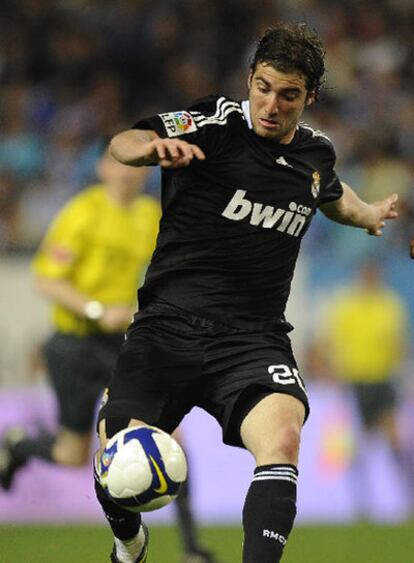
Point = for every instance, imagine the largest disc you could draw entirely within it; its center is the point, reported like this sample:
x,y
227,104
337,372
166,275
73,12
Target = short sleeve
x,y
332,187
204,123
332,190
172,124
63,242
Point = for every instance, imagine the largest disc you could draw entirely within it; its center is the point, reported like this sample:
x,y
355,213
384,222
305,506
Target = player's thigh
x,y
271,429
260,365
156,369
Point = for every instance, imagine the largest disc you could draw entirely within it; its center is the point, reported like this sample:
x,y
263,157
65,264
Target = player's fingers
x,y
392,215
160,150
166,163
183,161
189,151
174,150
175,163
166,149
186,151
178,152
375,231
198,153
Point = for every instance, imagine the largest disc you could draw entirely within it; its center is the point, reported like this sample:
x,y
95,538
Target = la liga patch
x,y
178,123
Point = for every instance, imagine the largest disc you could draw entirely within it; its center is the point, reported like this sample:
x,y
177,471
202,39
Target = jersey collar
x,y
245,105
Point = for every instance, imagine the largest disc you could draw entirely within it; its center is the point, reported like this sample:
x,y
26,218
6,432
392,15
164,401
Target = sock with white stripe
x,y
269,512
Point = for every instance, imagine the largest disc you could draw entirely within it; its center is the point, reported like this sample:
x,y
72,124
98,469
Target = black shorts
x,y
172,361
79,368
375,400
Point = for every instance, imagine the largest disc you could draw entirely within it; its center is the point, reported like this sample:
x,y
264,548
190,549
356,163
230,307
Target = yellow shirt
x,y
366,333
101,247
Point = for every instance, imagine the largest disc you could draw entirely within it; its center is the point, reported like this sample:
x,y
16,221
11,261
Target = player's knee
x,y
110,426
75,455
71,448
80,458
289,441
281,446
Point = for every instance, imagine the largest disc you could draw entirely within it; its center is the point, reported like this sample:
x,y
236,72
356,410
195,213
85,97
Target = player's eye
x,y
290,97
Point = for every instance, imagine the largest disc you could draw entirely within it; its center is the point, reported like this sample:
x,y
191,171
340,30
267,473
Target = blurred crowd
x,y
74,72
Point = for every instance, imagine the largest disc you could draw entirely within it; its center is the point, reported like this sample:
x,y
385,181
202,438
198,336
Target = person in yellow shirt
x,y
89,264
91,257
366,331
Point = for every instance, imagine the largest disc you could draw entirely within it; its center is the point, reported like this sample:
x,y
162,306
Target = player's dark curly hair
x,y
293,48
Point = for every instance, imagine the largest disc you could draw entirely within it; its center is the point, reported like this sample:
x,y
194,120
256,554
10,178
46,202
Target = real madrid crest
x,y
316,184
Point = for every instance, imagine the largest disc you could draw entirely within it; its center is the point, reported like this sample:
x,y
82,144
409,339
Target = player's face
x,y
277,101
124,179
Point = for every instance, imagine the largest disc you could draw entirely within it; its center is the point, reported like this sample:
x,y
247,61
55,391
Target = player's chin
x,y
273,134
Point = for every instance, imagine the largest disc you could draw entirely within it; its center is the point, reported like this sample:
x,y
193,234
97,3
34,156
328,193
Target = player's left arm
x,y
349,209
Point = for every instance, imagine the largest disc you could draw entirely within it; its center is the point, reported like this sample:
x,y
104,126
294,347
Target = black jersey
x,y
232,224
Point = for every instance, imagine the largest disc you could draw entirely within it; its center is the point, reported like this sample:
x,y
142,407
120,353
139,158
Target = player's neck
x,y
123,197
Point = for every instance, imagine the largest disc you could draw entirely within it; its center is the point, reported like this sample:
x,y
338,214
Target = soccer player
x,y
241,183
88,266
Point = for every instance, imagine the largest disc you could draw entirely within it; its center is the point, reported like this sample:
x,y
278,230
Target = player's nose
x,y
272,107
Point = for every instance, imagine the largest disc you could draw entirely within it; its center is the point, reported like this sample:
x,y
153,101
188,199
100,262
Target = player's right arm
x,y
114,317
137,147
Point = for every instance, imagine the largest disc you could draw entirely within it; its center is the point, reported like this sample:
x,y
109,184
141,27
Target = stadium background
x,y
75,72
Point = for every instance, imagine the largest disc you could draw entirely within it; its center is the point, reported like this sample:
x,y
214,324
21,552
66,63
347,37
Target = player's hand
x,y
116,318
412,247
385,210
173,153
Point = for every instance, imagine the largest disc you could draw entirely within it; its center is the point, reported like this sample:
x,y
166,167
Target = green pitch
x,y
360,543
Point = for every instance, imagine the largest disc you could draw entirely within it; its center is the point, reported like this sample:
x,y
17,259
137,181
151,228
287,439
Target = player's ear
x,y
249,78
310,97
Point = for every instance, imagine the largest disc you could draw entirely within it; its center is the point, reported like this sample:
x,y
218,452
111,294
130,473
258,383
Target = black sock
x,y
124,524
40,447
186,523
269,512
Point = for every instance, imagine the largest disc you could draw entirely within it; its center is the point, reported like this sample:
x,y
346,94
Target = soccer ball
x,y
142,468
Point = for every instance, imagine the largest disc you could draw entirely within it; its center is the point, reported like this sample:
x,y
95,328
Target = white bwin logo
x,y
266,216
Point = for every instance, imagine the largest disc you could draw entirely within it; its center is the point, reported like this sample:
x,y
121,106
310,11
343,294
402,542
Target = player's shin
x,y
125,525
269,512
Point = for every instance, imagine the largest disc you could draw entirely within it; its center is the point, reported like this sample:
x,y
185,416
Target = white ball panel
x,y
129,471
115,481
172,455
